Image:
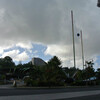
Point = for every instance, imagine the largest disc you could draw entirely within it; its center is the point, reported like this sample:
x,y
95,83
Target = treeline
x,y
52,74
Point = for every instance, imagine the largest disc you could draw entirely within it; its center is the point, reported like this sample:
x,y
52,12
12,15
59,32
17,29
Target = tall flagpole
x,y
73,38
82,49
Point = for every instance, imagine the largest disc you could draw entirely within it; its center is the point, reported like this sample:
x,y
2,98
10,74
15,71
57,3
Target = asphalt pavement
x,y
56,96
11,91
92,97
68,93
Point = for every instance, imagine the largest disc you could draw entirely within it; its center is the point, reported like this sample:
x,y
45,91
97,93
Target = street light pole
x,y
82,49
73,38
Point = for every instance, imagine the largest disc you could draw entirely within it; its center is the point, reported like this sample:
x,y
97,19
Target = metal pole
x,y
82,49
73,38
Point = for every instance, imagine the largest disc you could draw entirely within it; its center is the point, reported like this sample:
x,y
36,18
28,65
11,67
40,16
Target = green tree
x,y
89,70
79,75
7,62
6,65
98,73
22,70
54,74
55,62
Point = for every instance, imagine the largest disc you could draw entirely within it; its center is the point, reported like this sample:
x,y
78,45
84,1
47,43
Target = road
x,y
94,97
69,93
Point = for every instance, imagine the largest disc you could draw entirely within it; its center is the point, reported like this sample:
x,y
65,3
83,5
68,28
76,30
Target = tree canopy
x,y
6,62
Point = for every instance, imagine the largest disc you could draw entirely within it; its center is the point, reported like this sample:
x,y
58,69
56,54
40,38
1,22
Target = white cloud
x,y
22,57
1,50
25,45
12,53
16,55
62,51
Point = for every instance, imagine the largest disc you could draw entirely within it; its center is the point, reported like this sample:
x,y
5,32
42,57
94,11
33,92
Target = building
x,y
38,62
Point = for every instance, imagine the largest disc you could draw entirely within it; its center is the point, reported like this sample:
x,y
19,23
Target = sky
x,y
42,28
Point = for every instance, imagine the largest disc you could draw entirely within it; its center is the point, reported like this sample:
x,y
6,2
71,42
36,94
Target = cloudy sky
x,y
42,28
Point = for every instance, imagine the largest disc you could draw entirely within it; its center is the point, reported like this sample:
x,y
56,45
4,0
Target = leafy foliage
x,y
6,62
51,74
89,70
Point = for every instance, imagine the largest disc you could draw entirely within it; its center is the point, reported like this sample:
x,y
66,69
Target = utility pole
x,y
73,38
